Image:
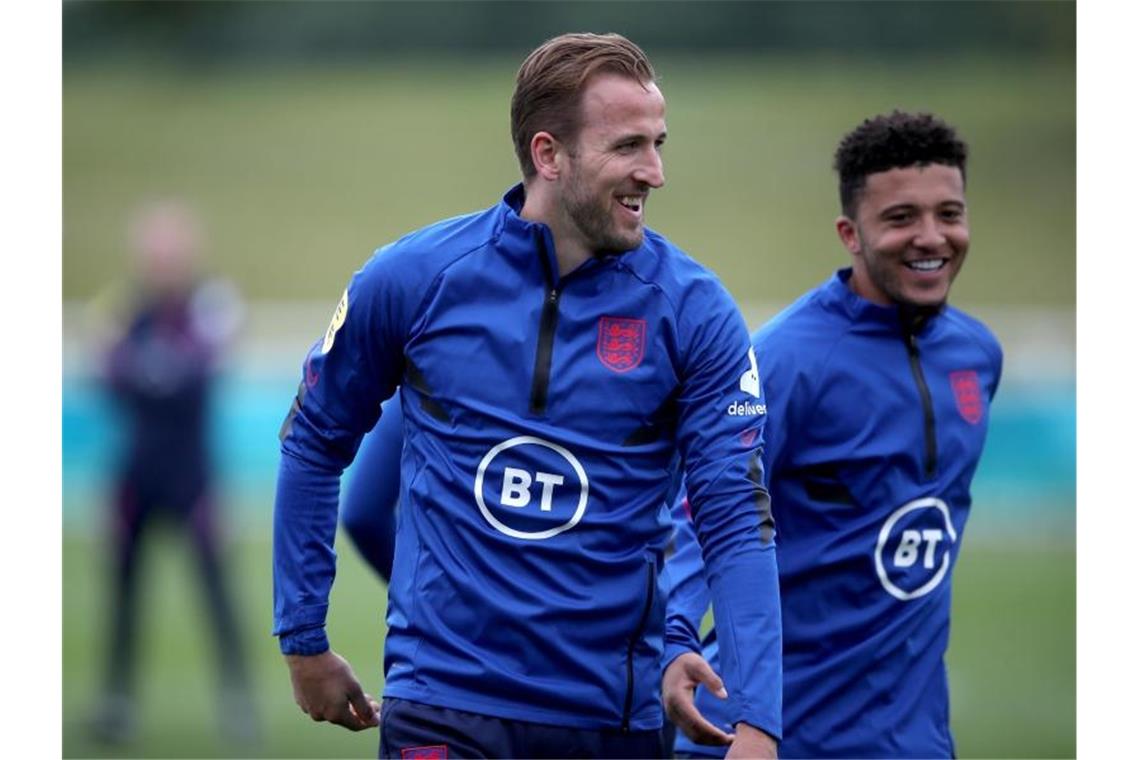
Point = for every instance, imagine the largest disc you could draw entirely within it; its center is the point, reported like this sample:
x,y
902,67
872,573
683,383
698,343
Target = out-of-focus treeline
x,y
195,32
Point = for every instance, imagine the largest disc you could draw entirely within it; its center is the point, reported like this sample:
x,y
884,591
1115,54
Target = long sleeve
x,y
688,588
722,424
346,376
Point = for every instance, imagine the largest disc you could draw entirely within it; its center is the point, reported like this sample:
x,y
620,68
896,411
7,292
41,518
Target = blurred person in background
x,y
879,395
159,365
555,358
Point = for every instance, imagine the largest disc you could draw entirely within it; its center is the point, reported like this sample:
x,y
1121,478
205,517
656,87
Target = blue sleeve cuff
x,y
306,642
673,651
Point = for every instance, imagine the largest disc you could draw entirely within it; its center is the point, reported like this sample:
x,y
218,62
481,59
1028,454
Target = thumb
x,y
703,674
364,706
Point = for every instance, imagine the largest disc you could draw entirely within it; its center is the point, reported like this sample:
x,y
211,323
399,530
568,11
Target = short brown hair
x,y
548,87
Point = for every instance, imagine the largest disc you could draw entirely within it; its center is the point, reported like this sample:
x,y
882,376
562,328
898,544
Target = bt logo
x,y
913,552
531,489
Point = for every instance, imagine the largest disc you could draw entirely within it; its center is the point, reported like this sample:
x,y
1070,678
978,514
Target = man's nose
x,y
651,170
930,234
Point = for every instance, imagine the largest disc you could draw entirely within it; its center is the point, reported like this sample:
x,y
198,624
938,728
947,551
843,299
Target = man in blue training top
x,y
555,358
879,393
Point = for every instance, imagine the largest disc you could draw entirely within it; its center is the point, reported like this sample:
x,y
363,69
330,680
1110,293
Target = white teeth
x,y
630,201
926,265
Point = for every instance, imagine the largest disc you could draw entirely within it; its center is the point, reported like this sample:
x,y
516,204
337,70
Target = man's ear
x,y
545,150
848,234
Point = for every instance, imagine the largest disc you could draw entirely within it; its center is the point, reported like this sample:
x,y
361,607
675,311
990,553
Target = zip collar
x,y
837,293
519,236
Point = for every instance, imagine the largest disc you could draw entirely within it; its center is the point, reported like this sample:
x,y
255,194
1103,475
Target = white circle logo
x,y
519,484
913,550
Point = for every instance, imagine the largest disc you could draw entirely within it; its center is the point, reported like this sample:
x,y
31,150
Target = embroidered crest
x,y
621,342
431,752
968,394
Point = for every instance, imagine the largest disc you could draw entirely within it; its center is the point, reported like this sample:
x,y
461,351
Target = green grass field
x,y
1012,654
301,173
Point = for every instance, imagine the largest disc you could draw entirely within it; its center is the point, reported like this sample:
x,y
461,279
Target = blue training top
x,y
542,414
876,428
368,507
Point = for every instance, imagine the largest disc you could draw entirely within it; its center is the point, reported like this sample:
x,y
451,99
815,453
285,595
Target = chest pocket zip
x,y
650,588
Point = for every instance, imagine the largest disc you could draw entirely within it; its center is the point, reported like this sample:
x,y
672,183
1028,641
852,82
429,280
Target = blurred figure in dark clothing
x,y
160,366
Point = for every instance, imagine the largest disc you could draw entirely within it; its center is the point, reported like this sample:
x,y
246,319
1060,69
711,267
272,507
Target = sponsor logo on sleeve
x,y
746,409
336,323
968,394
621,342
750,380
750,384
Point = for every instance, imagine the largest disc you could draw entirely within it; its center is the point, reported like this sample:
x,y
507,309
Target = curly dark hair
x,y
895,140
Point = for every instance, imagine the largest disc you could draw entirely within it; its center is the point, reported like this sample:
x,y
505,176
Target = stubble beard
x,y
594,220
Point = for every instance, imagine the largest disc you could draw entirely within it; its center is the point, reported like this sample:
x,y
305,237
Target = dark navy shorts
x,y
415,731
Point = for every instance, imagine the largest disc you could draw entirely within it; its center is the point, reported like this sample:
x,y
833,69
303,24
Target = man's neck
x,y
569,250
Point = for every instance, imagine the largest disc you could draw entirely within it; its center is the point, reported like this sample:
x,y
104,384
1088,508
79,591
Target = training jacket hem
x,y
478,703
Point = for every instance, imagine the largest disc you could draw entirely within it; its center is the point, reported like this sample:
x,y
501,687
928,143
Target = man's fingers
x,y
365,709
698,729
345,716
326,690
679,683
701,672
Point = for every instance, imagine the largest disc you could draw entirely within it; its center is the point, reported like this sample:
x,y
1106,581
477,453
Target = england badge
x,y
968,394
621,342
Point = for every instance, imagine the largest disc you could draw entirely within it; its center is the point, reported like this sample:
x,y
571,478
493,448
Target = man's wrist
x,y
747,728
307,642
674,650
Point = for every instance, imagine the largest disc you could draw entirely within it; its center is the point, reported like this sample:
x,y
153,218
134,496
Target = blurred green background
x,y
308,134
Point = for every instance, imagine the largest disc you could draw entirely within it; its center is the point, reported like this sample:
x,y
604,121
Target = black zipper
x,y
927,404
545,353
636,637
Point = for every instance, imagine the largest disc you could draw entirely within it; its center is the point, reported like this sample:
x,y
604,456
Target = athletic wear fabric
x,y
878,418
415,731
542,415
368,508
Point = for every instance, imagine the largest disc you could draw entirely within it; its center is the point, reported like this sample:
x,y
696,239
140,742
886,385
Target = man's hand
x,y
325,688
751,742
677,686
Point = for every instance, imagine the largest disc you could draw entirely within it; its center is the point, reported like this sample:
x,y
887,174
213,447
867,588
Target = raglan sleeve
x,y
722,416
346,376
